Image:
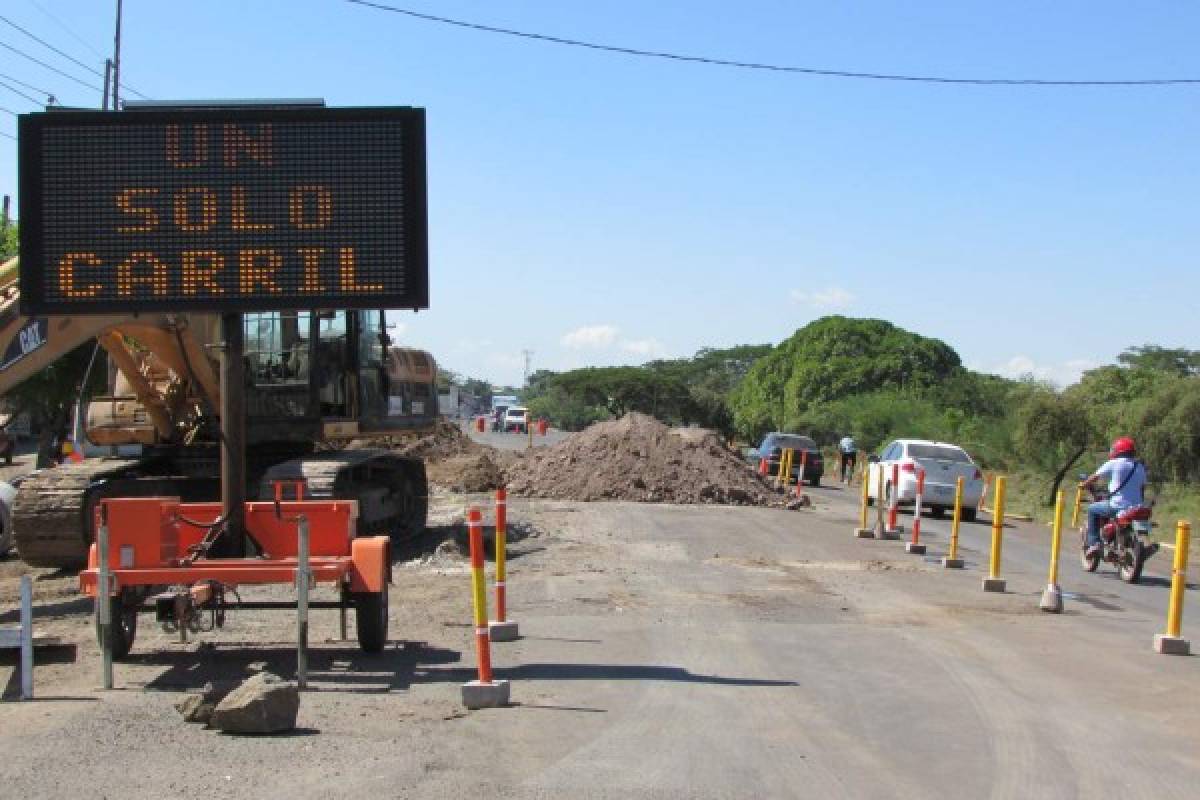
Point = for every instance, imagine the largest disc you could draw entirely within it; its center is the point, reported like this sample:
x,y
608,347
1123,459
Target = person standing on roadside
x,y
848,449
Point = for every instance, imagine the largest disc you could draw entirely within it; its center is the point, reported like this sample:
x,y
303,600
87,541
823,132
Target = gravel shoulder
x,y
668,651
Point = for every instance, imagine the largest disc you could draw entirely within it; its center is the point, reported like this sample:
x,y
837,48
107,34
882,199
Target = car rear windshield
x,y
794,443
938,452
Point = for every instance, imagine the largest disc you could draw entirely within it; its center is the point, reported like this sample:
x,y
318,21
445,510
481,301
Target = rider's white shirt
x,y
1117,469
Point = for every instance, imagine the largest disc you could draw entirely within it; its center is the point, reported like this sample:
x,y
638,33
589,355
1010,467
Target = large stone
x,y
199,707
264,703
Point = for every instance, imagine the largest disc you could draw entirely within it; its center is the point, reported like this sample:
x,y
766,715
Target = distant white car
x,y
8,494
516,418
943,463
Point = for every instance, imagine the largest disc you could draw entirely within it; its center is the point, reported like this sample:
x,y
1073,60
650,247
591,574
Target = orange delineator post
x,y
501,556
916,531
803,466
894,506
483,647
763,468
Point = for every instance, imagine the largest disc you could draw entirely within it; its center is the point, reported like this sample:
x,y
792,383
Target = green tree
x,y
49,396
1176,360
8,242
833,358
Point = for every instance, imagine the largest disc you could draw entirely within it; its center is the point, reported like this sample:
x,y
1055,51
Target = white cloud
x,y
642,347
1060,374
590,336
829,297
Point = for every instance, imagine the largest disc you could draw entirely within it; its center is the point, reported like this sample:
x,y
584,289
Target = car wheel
x,y
937,511
815,481
968,514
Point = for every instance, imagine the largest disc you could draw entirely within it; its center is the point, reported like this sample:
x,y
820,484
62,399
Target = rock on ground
x,y
638,458
199,707
264,703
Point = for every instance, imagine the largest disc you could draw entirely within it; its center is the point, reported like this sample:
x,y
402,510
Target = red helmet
x,y
1123,446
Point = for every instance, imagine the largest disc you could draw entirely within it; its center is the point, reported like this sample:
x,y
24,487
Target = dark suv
x,y
773,445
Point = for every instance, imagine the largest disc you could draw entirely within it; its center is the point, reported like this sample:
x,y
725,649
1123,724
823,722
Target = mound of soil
x,y
475,472
445,440
640,459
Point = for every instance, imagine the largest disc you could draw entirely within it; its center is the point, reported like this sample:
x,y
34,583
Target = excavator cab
x,y
332,375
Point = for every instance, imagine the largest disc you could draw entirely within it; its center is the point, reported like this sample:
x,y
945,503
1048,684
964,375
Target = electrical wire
x,y
17,91
65,55
9,111
64,26
720,62
50,67
8,136
20,82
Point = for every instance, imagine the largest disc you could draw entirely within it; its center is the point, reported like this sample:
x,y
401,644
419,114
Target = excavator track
x,y
48,514
391,490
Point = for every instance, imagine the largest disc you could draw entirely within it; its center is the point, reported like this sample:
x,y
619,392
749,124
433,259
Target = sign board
x,y
29,338
223,210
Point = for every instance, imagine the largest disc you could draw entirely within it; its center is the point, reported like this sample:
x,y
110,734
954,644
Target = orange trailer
x,y
158,553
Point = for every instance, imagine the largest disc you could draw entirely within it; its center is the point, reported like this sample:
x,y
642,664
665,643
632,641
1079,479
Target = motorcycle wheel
x,y
1090,563
1134,558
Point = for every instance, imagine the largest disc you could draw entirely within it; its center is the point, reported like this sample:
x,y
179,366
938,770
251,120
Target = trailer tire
x,y
371,619
122,629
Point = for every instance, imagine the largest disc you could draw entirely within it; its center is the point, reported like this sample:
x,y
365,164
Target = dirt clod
x,y
640,459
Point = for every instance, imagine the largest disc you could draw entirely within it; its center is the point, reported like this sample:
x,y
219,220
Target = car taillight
x,y
978,475
909,467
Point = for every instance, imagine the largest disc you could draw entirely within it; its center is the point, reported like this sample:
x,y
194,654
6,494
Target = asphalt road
x,y
690,652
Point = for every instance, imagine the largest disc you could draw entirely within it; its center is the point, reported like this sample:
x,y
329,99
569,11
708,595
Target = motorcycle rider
x,y
1126,486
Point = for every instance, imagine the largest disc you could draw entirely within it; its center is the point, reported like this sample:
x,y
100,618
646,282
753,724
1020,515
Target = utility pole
x,y
108,68
116,64
528,355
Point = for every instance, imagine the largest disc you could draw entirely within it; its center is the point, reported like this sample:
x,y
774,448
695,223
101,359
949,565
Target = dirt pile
x,y
444,441
638,458
474,472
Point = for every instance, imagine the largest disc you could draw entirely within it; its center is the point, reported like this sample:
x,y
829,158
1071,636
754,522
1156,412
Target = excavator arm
x,y
28,344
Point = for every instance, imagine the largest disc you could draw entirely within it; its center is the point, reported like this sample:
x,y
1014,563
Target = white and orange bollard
x,y
502,629
892,530
915,546
803,467
485,692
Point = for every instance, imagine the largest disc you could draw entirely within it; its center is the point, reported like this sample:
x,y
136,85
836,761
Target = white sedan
x,y
943,464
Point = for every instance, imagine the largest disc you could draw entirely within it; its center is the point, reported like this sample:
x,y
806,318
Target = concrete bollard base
x,y
952,563
1172,645
994,584
864,533
917,549
503,631
476,694
1051,600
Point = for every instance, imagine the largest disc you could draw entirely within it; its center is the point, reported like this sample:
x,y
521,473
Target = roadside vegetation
x,y
876,381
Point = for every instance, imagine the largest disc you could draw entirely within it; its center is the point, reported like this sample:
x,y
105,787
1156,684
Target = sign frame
x,y
34,273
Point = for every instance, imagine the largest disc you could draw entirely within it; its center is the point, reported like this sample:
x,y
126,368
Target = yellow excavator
x,y
314,380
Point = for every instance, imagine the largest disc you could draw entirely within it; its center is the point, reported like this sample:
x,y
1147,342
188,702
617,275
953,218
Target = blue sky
x,y
600,209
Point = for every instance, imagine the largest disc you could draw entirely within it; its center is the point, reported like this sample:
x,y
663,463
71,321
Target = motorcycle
x,y
1124,541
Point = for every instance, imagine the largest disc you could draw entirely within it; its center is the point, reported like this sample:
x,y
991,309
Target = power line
x,y
9,111
15,90
8,136
64,26
50,67
720,62
65,55
20,82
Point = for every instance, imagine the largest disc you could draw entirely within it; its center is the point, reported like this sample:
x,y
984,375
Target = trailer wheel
x,y
122,629
371,619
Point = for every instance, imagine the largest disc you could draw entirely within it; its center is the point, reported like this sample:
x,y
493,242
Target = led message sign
x,y
223,209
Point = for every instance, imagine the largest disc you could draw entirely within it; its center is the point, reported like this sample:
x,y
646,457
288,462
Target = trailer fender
x,y
370,563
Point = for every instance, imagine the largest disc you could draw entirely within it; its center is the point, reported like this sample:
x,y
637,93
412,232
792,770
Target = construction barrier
x,y
482,644
1052,596
951,560
764,467
993,582
480,424
915,546
1172,642
502,629
862,531
484,692
784,476
1077,507
892,531
803,468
